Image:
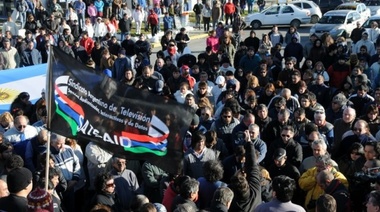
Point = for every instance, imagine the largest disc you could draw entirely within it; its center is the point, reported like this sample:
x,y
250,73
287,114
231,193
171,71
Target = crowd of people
x,y
277,125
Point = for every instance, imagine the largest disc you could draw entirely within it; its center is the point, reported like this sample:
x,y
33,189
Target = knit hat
x,y
340,99
18,179
40,199
108,72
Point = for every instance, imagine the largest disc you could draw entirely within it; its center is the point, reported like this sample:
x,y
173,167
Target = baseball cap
x,y
220,80
279,154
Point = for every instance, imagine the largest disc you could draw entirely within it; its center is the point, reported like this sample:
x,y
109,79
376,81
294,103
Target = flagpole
x,y
48,96
47,163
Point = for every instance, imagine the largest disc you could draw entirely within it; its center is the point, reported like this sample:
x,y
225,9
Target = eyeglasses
x,y
110,185
283,135
21,126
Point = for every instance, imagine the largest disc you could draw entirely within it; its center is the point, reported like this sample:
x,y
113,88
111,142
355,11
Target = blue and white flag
x,y
14,81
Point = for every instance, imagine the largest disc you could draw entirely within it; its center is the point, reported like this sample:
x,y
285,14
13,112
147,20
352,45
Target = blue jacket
x,y
249,63
119,67
30,57
168,22
99,5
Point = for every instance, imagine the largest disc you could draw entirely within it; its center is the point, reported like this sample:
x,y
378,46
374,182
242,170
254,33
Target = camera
x,y
240,135
362,177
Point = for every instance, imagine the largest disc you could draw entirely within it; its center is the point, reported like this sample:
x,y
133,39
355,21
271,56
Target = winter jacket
x,y
99,5
340,194
67,162
339,73
91,11
12,57
229,8
250,200
120,65
308,183
88,44
138,15
216,12
100,29
30,57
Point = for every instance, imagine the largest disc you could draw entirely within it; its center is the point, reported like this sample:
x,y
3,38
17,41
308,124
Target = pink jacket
x,y
91,11
213,42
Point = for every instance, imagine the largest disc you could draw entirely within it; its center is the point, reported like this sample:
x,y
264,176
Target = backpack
x,y
152,19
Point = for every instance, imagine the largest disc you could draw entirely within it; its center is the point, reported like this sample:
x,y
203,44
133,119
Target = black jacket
x,y
250,200
340,194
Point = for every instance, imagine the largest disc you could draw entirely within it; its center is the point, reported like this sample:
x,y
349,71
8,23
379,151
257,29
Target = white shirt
x,y
14,136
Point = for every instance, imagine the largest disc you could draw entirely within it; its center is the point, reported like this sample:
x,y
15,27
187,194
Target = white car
x,y
367,24
358,7
337,23
280,15
315,11
374,6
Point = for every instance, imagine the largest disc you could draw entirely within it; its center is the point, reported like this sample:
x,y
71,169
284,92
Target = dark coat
x,y
30,57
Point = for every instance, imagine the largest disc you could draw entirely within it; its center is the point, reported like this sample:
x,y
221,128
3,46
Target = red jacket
x,y
168,198
88,44
229,8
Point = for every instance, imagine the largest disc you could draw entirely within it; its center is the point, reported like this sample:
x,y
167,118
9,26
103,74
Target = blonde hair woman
x,y
6,122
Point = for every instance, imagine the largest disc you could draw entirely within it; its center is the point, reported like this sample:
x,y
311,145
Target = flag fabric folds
x,y
126,121
29,79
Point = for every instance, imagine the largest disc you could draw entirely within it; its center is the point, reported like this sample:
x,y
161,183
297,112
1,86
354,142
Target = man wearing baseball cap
x,y
20,183
281,167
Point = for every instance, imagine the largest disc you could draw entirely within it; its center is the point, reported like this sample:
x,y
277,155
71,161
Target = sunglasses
x,y
110,185
226,117
21,127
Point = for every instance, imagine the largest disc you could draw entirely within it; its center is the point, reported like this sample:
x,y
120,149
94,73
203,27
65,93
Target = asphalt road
x,y
199,45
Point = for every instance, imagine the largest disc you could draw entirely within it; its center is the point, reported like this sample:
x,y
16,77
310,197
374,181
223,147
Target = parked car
x,y
315,11
374,6
367,24
337,23
327,5
280,15
358,7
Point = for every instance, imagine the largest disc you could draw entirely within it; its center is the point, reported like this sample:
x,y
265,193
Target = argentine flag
x,y
31,79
